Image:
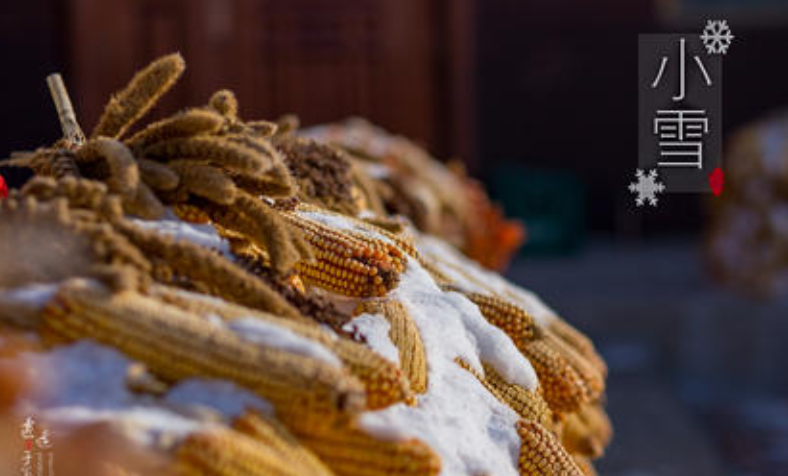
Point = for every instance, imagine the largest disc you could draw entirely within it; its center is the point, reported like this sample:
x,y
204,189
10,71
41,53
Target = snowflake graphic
x,y
647,187
717,37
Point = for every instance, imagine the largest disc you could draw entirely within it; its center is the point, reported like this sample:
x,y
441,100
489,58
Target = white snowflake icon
x,y
647,187
717,37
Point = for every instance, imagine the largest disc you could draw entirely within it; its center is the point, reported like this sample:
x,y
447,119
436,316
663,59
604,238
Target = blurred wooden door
x,y
404,64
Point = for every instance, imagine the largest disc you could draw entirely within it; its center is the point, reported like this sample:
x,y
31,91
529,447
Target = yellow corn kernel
x,y
528,404
564,390
541,454
346,264
349,451
406,337
511,319
579,342
225,452
278,439
593,380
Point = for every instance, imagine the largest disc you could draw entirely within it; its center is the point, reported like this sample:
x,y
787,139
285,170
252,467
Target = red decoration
x,y
3,188
716,181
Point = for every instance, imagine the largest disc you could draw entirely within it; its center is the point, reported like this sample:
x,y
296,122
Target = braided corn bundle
x,y
405,336
175,345
349,451
384,382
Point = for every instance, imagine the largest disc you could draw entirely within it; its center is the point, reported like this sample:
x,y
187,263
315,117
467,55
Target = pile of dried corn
x,y
207,250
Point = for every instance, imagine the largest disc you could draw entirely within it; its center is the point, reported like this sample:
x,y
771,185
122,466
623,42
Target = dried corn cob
x,y
383,381
585,465
528,404
185,124
224,452
346,264
144,90
577,437
279,440
541,454
592,379
175,345
564,390
511,319
579,342
597,422
405,336
349,451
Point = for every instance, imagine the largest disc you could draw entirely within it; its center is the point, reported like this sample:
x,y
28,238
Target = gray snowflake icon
x,y
647,187
717,37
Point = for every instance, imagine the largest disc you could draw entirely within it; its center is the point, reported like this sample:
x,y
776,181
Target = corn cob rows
x,y
585,465
349,451
224,452
528,404
587,432
347,264
567,379
579,342
593,381
269,432
405,336
541,454
175,345
384,382
511,319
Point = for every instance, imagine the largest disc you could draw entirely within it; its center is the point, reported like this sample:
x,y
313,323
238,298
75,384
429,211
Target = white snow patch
x,y
471,276
147,426
375,330
271,335
201,235
34,294
223,396
80,374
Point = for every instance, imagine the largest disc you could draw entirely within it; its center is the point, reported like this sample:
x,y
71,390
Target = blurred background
x,y
687,301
